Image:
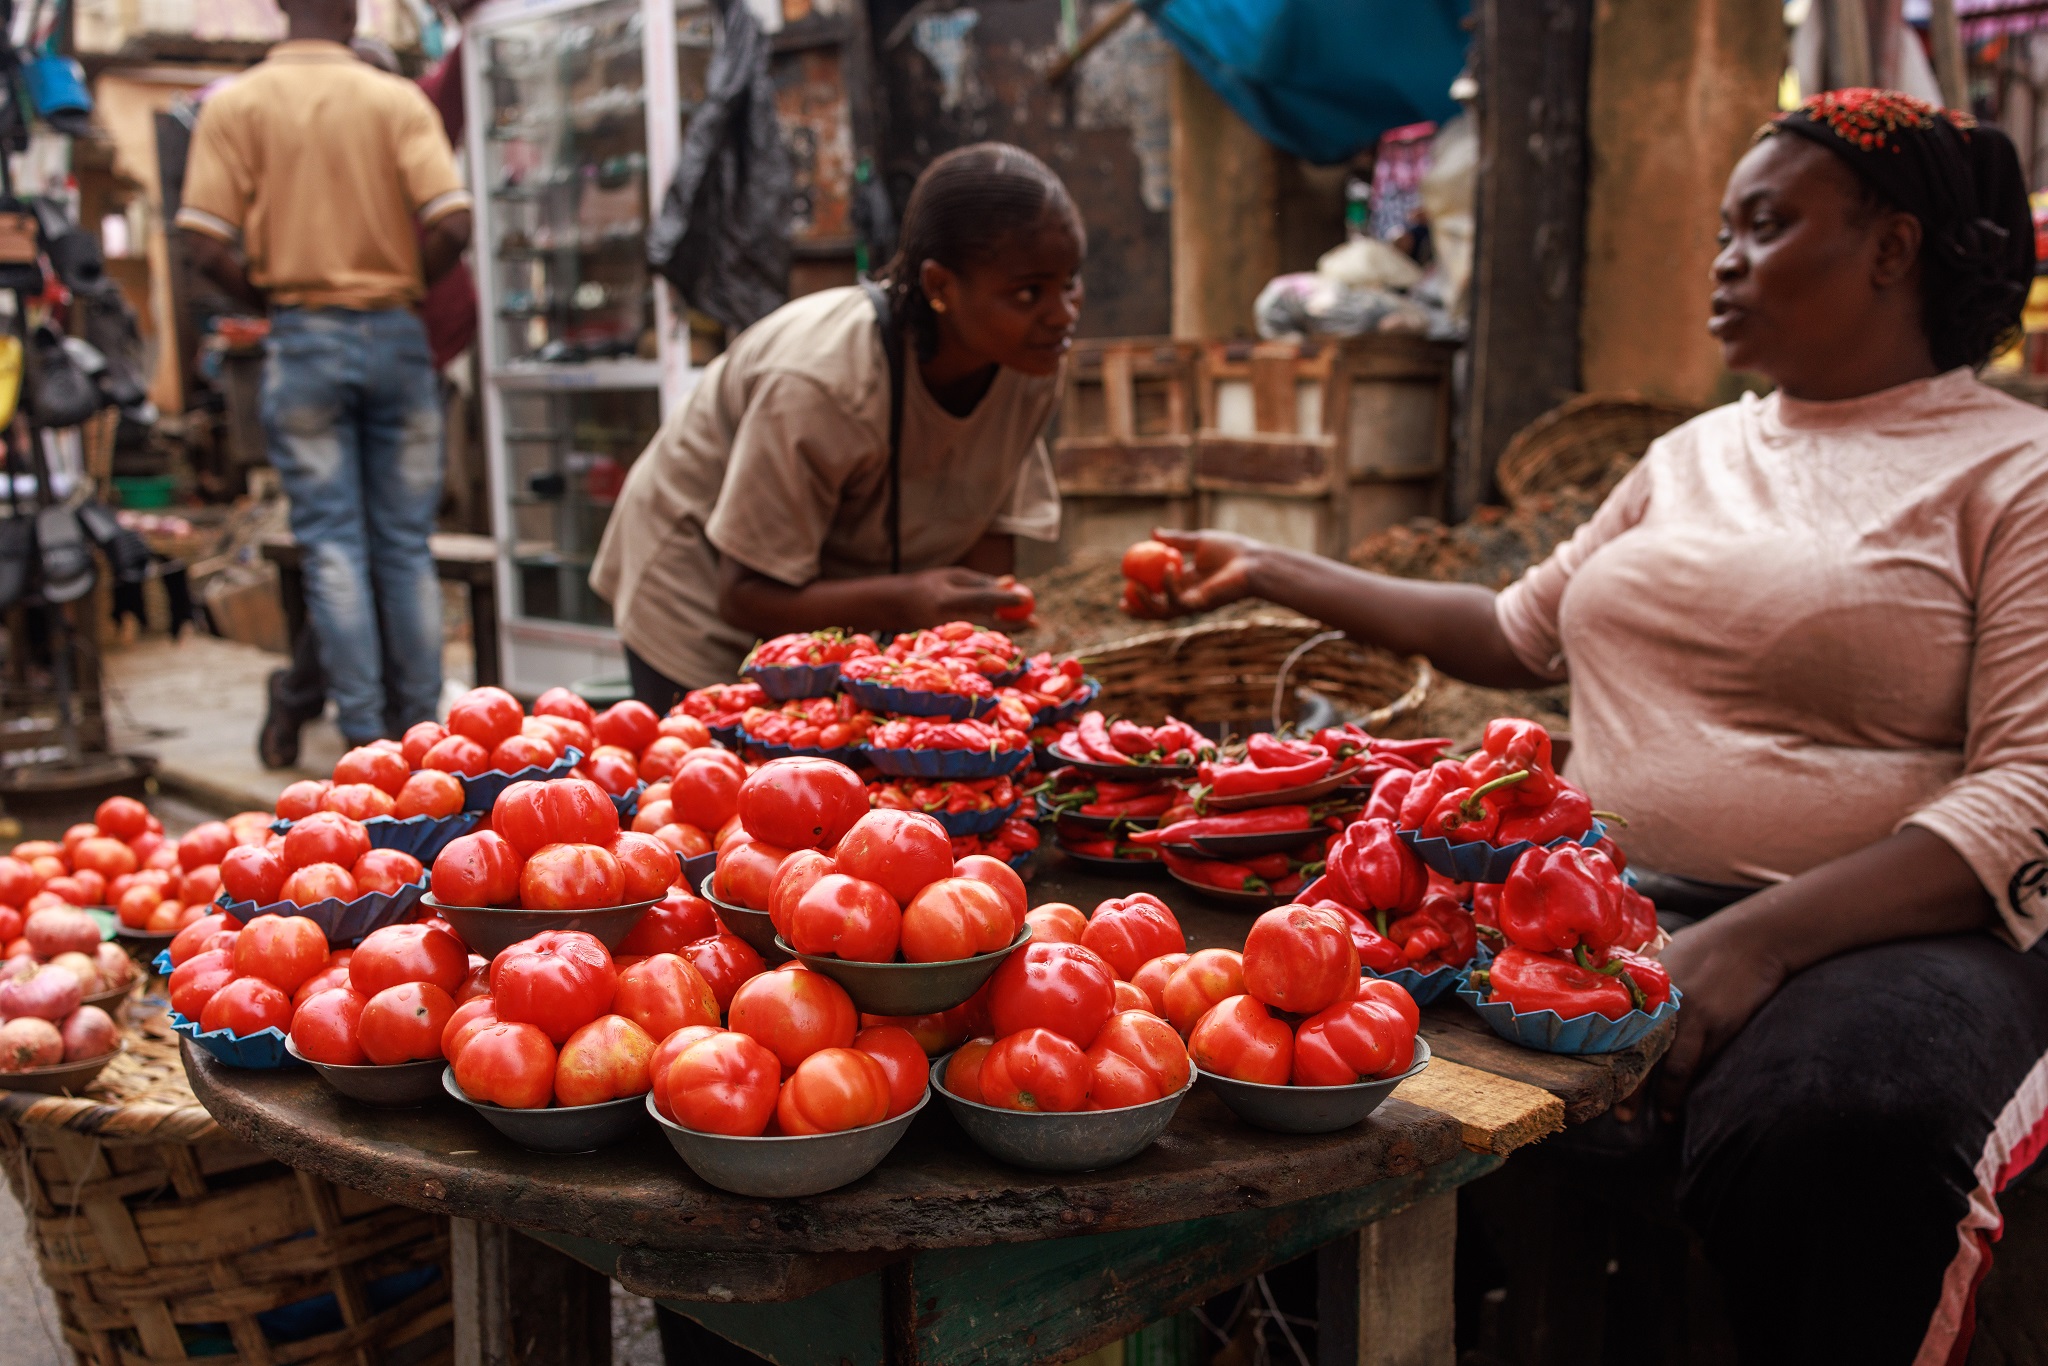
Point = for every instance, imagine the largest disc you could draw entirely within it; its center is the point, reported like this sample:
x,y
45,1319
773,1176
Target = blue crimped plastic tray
x,y
1549,1032
1477,861
343,922
975,822
1425,987
853,756
791,682
628,803
161,964
421,836
947,763
698,867
1091,688
259,1051
480,792
883,697
726,737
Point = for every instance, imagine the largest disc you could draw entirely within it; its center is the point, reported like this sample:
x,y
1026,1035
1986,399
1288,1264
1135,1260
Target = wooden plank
x,y
1589,1085
1383,1293
1225,189
1273,382
1532,58
1285,466
1496,1114
717,1277
1116,394
1153,467
841,1326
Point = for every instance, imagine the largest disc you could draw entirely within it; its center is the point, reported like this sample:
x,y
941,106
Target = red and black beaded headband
x,y
1867,119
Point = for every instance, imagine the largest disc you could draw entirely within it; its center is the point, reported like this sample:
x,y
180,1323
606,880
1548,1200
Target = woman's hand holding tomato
x,y
794,1012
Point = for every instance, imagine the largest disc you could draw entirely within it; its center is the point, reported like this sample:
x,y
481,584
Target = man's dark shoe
x,y
277,744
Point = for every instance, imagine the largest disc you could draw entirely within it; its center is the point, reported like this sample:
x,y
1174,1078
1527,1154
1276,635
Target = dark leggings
x,y
1842,1157
650,685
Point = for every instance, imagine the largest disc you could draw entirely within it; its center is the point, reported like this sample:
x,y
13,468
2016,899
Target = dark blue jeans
x,y
352,415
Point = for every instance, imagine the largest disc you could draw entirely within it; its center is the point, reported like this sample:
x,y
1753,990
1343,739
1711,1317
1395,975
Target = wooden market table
x,y
944,1255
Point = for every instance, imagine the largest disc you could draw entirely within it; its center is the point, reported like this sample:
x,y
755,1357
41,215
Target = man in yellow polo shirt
x,y
336,182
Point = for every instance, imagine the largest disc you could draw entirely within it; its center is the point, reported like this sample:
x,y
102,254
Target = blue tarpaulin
x,y
1323,78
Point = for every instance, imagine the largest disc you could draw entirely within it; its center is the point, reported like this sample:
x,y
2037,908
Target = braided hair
x,y
962,210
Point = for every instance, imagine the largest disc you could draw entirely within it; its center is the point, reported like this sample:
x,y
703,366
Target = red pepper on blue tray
x,y
1373,870
1388,794
1465,814
1558,899
1567,815
1531,981
1437,933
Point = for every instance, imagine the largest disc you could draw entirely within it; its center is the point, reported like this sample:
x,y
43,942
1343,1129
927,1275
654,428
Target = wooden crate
x,y
1316,444
1126,433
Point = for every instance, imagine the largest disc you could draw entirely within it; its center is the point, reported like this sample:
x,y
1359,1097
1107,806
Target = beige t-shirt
x,y
1796,627
780,458
320,165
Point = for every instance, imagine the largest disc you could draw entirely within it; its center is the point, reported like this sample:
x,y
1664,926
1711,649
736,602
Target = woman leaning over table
x,y
1807,639
772,501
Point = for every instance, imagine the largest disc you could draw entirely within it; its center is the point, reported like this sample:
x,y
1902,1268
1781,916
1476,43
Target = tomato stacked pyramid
x,y
552,845
325,855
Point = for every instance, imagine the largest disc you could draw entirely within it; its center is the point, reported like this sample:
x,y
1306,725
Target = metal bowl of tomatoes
x,y
557,1128
489,930
908,988
1309,1109
784,1166
395,1086
1070,1141
748,924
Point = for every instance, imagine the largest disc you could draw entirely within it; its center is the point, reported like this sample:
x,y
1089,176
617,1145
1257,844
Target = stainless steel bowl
x,y
396,1085
559,1128
780,1167
753,926
61,1078
908,988
1309,1109
1076,1141
490,931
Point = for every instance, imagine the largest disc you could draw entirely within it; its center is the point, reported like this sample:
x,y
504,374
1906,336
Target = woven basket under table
x,y
165,1240
1248,673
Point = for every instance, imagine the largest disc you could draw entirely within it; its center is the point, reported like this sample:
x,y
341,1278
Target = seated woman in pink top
x,y
1807,639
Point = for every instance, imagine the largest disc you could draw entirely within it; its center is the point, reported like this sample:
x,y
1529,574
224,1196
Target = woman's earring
x,y
938,305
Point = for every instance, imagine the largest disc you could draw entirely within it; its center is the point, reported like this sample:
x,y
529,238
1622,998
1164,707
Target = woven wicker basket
x,y
1249,673
165,1240
1587,442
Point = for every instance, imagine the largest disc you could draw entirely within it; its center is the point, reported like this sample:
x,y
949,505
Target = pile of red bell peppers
x,y
1574,938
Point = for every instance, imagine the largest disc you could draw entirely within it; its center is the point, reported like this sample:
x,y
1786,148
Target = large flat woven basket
x,y
164,1240
1588,442
1252,672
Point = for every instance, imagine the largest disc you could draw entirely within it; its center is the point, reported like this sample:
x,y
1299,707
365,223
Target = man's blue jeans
x,y
352,416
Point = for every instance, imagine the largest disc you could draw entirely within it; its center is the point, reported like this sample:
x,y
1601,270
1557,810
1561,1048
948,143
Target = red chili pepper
x,y
1463,815
1229,877
1127,737
1261,821
1387,795
1131,807
1240,780
1567,815
1557,899
1092,735
1270,751
1373,870
1270,866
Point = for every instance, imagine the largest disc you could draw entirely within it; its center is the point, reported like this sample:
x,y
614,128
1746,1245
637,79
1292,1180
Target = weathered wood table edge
x,y
945,1256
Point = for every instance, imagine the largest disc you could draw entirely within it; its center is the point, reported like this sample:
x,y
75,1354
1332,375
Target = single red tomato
x,y
196,888
134,905
408,953
194,981
1300,959
1151,980
1208,976
726,961
681,917
704,791
18,881
1353,1041
1152,564
831,1091
651,815
420,738
802,803
905,851
429,792
562,702
630,724
1037,1070
531,815
377,767
667,1051
613,773
662,757
846,917
508,1064
1003,878
386,870
324,1027
1062,987
664,993
327,979
1129,932
559,980
605,1060
903,1061
249,872
123,818
954,918
1136,1059
108,857
963,1069
477,869
485,715
283,950
1240,1038
476,982
358,801
323,837
205,844
685,727
686,840
518,753
649,867
571,877
458,754
245,1006
725,1084
317,882
799,872
469,1016
745,873
1056,923
1130,997
794,1012
192,939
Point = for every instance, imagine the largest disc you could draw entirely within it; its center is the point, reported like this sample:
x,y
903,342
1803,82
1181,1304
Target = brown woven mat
x,y
141,1095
